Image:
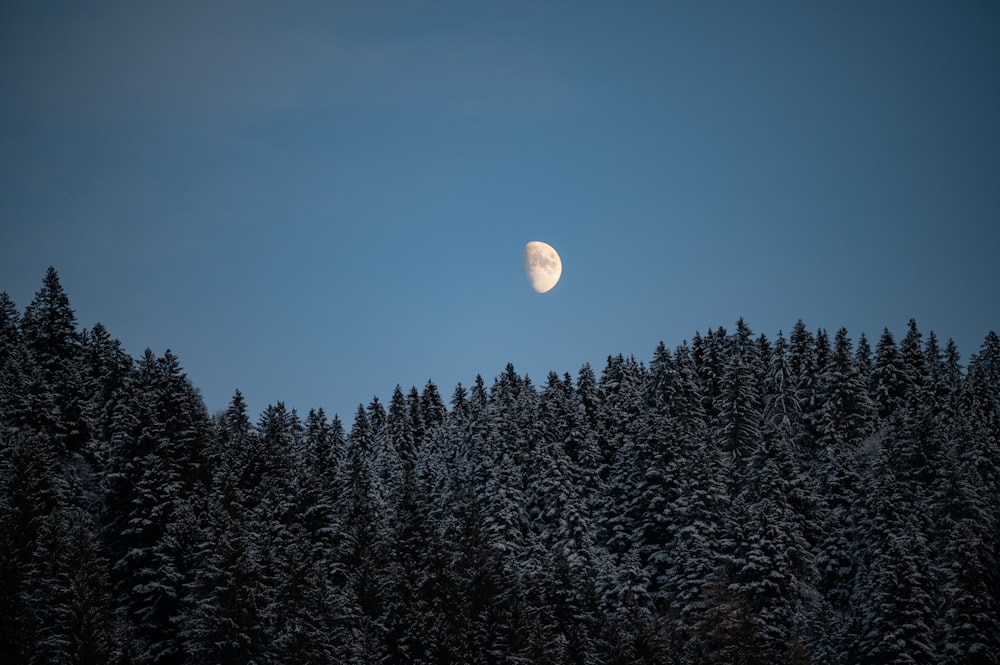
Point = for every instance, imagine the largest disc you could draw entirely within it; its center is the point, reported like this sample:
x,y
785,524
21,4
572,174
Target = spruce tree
x,y
55,388
893,600
360,556
67,590
13,366
738,427
156,466
888,376
31,488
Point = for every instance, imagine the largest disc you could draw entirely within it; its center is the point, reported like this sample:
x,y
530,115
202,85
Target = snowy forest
x,y
804,498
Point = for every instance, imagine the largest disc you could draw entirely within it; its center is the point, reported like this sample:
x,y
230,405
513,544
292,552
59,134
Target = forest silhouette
x,y
735,499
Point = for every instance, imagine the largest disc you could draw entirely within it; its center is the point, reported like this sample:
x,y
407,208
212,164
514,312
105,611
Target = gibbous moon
x,y
542,264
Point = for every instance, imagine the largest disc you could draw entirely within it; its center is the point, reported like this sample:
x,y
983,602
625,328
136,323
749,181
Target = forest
x,y
735,499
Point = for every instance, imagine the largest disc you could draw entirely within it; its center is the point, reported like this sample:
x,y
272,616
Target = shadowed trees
x,y
737,500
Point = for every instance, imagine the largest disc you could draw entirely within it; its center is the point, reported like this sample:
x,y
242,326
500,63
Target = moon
x,y
542,264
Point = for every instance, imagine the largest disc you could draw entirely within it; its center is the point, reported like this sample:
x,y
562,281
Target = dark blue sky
x,y
313,202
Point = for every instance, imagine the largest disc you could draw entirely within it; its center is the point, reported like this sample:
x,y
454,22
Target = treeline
x,y
735,500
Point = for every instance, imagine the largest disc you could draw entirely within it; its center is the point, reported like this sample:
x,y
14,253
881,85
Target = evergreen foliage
x,y
738,500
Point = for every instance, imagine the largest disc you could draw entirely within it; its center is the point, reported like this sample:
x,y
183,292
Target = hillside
x,y
735,499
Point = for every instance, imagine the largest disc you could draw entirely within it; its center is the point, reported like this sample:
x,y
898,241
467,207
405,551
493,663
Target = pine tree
x,y
888,376
409,576
227,594
274,492
68,593
738,405
432,410
623,442
780,412
846,417
893,598
863,357
703,522
845,421
31,488
323,444
107,371
676,427
13,366
979,449
560,565
226,622
415,414
708,355
401,439
588,455
360,558
155,466
804,364
183,420
55,390
49,329
774,573
969,613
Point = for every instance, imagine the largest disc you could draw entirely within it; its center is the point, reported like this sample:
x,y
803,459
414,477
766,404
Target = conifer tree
x,y
657,490
360,558
622,441
707,353
276,490
68,593
845,421
107,371
969,612
409,576
55,388
401,439
13,366
703,522
863,357
156,466
415,414
846,417
739,417
432,409
802,359
980,444
323,443
780,414
31,488
227,620
773,567
561,546
888,376
893,599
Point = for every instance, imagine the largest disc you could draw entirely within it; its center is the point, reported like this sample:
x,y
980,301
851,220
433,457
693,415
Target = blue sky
x,y
313,202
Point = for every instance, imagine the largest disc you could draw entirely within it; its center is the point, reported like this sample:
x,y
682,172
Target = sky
x,y
313,202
